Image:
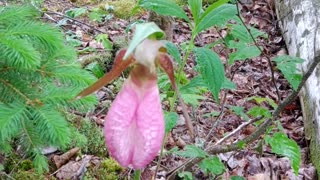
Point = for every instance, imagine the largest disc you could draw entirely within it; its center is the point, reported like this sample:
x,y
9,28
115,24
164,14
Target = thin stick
x,y
160,156
75,20
261,50
238,129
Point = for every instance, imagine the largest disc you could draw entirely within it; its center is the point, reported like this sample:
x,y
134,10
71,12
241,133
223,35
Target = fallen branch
x,y
238,129
75,20
64,158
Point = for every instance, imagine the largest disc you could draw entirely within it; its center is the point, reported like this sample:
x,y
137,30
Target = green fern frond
x,y
39,78
15,14
40,162
29,138
16,90
7,95
19,53
72,75
61,97
39,33
11,116
52,122
65,55
5,147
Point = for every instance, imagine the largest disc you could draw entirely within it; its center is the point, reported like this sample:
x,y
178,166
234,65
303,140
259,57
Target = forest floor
x,y
252,77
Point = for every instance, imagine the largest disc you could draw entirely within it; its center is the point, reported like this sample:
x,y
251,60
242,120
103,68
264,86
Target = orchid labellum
x,y
134,126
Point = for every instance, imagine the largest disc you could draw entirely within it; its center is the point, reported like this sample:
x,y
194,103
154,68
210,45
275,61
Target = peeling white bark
x,y
300,24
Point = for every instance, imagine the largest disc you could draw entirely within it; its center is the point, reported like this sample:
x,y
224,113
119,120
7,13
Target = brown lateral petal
x,y
119,66
166,65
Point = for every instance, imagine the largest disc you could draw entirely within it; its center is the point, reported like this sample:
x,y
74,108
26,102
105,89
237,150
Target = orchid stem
x,y
161,154
137,174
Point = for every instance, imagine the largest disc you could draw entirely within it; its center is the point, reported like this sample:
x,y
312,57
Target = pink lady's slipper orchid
x,y
134,126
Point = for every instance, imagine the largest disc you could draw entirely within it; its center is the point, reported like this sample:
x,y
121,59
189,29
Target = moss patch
x,y
107,170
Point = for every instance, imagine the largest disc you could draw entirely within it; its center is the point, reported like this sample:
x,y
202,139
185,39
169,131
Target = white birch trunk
x,y
300,24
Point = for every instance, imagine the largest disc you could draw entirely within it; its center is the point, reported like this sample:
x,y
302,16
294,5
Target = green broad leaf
x,y
171,151
211,45
104,39
211,69
76,12
216,17
212,165
260,100
174,51
227,84
96,69
240,33
196,8
214,6
192,92
282,145
241,144
235,44
192,99
211,114
73,40
143,31
237,178
192,151
195,83
167,8
186,175
96,16
244,53
288,67
279,125
257,111
239,111
171,120
164,82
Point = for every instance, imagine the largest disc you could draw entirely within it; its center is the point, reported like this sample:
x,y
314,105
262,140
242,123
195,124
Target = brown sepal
x,y
119,66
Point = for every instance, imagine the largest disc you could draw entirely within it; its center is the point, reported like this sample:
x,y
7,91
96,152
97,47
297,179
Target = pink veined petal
x,y
118,127
150,123
134,126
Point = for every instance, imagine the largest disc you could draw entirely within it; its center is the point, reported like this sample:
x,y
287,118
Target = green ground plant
x,y
38,79
109,169
241,41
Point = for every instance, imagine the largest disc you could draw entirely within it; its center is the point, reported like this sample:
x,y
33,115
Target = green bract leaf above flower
x,y
142,32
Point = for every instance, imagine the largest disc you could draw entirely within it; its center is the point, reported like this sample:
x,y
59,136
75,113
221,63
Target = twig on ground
x,y
50,18
8,176
238,129
75,20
